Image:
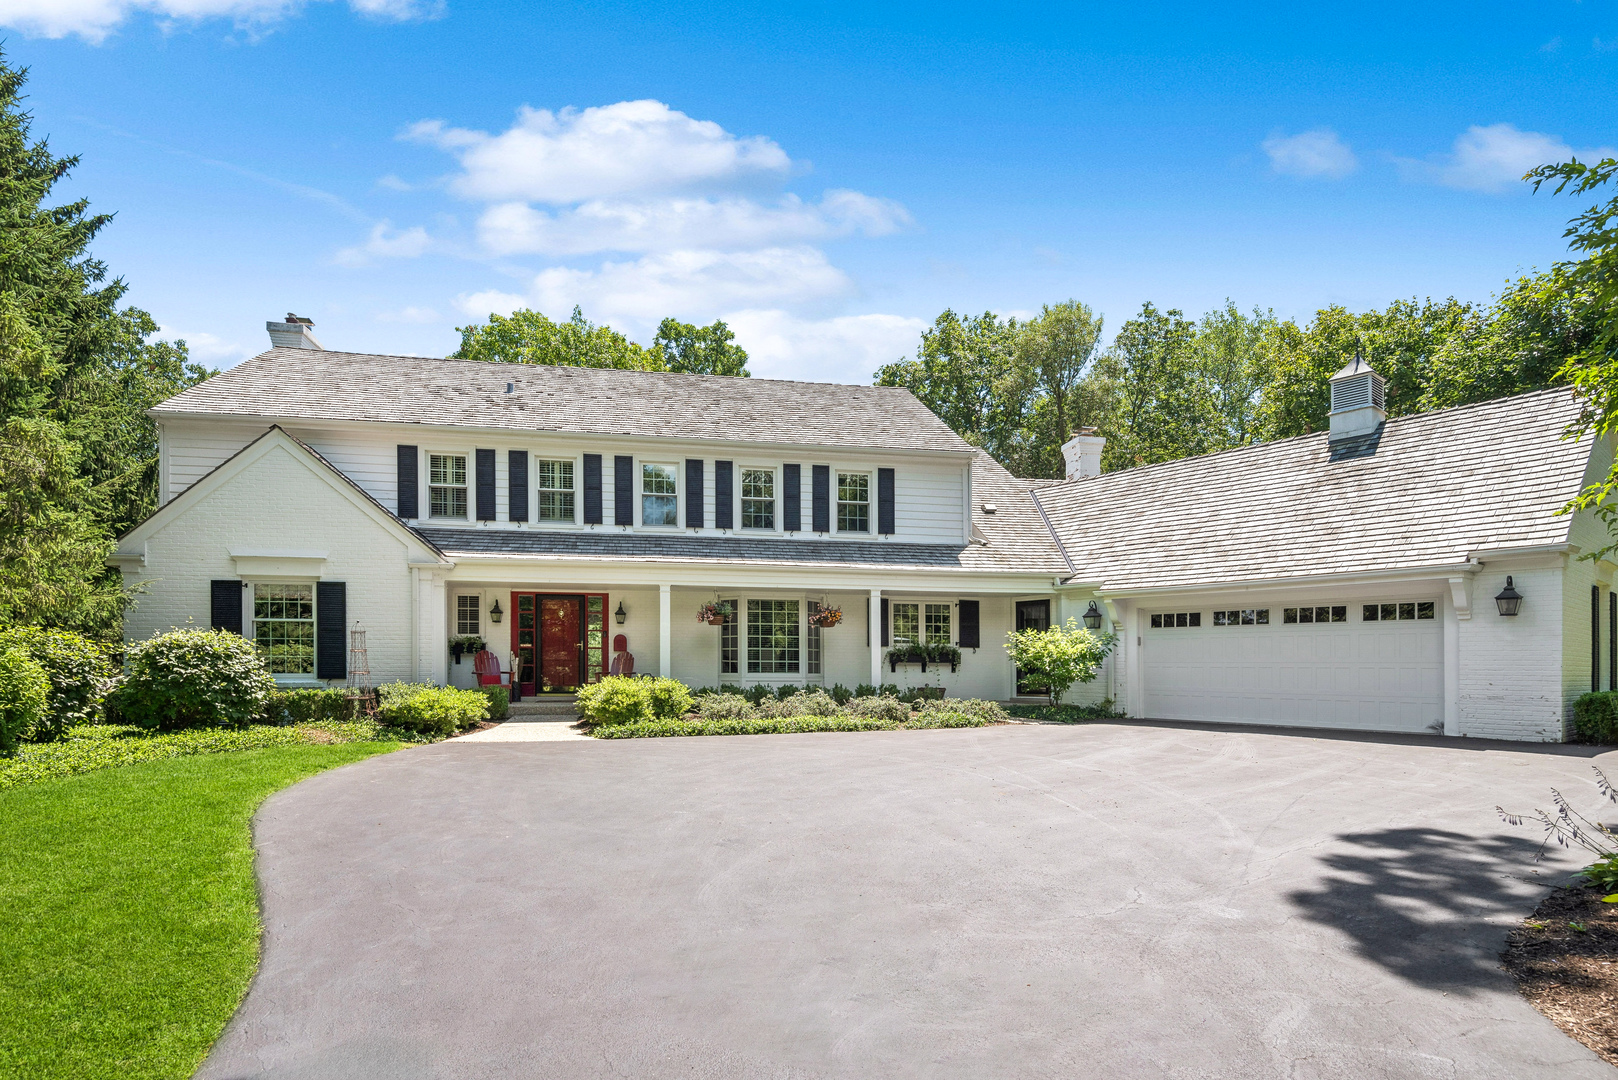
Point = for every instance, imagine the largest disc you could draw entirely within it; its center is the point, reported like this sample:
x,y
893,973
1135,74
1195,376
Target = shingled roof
x,y
310,384
1428,490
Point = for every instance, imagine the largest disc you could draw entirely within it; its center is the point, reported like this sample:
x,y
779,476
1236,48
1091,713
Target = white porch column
x,y
876,637
665,632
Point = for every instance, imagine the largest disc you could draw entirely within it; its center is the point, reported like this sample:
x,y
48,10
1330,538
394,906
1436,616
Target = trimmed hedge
x,y
25,692
193,678
430,710
624,699
77,668
1595,717
307,705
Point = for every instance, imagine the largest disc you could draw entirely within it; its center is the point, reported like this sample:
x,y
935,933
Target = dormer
x,y
1356,400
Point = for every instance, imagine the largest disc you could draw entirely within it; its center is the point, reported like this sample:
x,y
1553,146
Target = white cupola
x,y
1356,400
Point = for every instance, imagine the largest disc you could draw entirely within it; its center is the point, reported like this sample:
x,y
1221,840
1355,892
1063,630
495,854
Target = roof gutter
x,y
1471,566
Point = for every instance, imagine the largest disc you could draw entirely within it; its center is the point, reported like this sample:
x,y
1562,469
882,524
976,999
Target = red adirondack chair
x,y
487,666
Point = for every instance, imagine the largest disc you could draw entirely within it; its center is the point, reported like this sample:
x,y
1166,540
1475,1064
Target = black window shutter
x,y
623,496
517,483
485,478
884,622
409,491
791,498
225,605
723,500
884,501
693,493
820,498
331,633
592,489
967,618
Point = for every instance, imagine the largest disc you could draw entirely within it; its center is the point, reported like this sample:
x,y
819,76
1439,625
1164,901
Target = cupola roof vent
x,y
1356,400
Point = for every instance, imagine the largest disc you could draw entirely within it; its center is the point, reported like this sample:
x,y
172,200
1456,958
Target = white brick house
x,y
1345,579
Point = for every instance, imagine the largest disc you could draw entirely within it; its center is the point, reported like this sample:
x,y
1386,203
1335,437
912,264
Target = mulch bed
x,y
1571,974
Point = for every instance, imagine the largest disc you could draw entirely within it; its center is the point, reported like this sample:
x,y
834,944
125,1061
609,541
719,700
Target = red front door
x,y
560,640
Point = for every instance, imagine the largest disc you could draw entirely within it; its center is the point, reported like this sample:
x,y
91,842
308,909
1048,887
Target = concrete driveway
x,y
1028,901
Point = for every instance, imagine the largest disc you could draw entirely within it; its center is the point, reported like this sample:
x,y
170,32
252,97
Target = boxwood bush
x,y
25,692
1595,717
194,678
77,668
624,699
430,710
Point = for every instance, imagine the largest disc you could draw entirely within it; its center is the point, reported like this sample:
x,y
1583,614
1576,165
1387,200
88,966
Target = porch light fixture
x,y
495,613
1092,617
1508,600
620,615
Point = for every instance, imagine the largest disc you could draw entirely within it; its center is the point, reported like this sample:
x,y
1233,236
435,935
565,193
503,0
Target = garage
x,y
1369,666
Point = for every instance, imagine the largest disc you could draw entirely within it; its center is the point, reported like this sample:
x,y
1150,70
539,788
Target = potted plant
x,y
714,613
826,617
466,643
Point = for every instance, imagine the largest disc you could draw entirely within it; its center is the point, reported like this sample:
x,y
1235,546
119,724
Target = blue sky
x,y
826,177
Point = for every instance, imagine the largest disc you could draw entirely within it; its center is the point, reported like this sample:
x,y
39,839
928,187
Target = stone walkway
x,y
542,721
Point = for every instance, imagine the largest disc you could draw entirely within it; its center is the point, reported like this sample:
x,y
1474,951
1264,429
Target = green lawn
x,y
129,911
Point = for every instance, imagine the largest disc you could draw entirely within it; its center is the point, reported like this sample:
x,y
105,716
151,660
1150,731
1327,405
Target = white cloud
x,y
845,349
1494,158
603,151
93,20
386,242
480,305
683,222
695,285
1311,154
210,350
414,315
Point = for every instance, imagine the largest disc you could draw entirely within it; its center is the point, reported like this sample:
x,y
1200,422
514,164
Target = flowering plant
x,y
714,612
826,617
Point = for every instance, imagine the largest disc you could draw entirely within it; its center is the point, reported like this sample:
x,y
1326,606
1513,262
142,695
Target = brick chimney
x,y
1082,453
296,333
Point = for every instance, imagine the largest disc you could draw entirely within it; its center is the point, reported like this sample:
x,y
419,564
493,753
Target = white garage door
x,y
1372,667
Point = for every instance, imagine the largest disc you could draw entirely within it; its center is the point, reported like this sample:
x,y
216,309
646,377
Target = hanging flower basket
x,y
826,617
715,613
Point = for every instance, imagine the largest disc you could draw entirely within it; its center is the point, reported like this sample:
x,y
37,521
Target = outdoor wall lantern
x,y
1092,618
620,615
1508,599
495,613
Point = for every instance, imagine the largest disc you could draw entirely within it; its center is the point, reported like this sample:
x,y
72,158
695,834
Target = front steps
x,y
546,706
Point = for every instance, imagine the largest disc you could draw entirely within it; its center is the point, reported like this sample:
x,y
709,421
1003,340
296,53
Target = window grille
x,y
555,490
446,480
853,502
468,610
773,636
758,499
659,500
284,627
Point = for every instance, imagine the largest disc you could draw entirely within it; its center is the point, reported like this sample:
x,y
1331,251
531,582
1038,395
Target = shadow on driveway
x,y
1429,905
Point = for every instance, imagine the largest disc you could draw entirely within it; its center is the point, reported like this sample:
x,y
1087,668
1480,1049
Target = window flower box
x,y
714,613
466,643
924,655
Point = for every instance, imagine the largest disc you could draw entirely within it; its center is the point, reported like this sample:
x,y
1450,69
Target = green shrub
x,y
669,699
725,707
885,707
1060,656
887,689
430,710
1595,717
808,703
918,694
617,699
305,705
758,693
841,694
499,701
865,689
25,692
194,678
1068,714
780,725
989,712
77,668
784,691
1603,873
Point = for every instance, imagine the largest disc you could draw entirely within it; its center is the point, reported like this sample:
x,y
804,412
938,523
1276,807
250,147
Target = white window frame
x,y
468,457
741,498
641,495
793,675
250,626
921,603
455,614
870,501
578,496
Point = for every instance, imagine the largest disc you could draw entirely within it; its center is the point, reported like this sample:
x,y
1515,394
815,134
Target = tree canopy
x,y
77,452
529,337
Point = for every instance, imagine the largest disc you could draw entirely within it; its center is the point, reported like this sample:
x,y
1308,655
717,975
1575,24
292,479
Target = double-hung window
x,y
773,635
853,502
446,485
284,627
659,495
919,624
555,490
727,640
468,609
758,499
